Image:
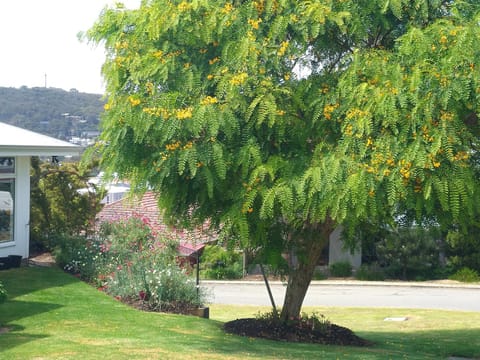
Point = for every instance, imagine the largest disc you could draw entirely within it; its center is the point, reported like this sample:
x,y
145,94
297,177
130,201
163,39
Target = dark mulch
x,y
330,334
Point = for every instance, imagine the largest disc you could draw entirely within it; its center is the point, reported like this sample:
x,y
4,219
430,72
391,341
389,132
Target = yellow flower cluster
x,y
239,79
157,111
280,112
259,5
329,109
461,155
214,60
134,101
121,45
176,146
173,146
405,170
355,112
227,8
283,48
158,54
446,116
210,77
209,100
182,114
254,23
184,6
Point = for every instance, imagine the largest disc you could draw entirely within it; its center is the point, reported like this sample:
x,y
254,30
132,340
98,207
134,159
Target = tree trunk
x,y
314,237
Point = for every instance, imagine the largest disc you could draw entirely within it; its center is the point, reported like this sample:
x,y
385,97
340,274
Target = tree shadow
x,y
11,338
27,279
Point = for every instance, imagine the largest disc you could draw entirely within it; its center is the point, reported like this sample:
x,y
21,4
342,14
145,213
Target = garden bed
x,y
331,334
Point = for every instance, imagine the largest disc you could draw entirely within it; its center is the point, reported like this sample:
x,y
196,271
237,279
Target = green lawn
x,y
52,315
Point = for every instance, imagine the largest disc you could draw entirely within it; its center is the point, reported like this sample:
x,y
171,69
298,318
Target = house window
x,y
7,196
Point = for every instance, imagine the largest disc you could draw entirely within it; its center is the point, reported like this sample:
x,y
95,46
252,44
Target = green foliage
x,y
409,252
126,260
340,269
463,248
3,293
54,112
466,275
58,209
220,263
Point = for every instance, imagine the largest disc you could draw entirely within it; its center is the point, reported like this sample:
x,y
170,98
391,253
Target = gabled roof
x,y
15,141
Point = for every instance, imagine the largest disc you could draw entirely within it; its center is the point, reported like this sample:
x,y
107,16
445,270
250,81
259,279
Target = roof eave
x,y
39,150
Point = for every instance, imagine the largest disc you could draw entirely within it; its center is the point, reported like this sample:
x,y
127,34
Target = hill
x,y
50,111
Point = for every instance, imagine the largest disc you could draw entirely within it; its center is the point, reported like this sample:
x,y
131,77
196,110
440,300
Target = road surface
x,y
353,294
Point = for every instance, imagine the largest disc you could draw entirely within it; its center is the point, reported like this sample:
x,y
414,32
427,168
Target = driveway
x,y
353,294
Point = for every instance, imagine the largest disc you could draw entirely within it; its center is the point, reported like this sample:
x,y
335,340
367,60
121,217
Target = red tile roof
x,y
147,208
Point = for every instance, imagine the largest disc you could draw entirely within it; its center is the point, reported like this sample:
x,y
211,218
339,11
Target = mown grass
x,y
52,315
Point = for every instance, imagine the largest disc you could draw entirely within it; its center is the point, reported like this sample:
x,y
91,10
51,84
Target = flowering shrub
x,y
127,260
3,294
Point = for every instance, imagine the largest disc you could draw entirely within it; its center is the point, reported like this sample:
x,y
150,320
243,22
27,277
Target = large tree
x,y
279,119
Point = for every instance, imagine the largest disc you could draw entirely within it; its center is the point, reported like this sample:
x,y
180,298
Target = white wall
x,y
337,252
21,235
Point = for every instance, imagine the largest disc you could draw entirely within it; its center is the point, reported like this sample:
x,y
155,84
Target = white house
x,y
17,146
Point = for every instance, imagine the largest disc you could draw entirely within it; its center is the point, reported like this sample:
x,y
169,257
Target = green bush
x,y
219,263
465,275
341,269
3,294
409,252
371,272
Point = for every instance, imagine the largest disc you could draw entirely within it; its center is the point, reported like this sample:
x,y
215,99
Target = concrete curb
x,y
353,283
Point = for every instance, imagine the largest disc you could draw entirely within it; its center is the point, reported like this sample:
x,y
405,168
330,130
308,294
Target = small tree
x,y
57,206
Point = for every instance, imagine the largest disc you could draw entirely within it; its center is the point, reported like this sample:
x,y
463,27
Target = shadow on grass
x,y
12,338
14,310
24,280
427,344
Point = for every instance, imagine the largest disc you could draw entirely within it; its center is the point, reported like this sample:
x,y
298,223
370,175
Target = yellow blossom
x,y
209,100
227,8
158,54
210,76
254,23
239,79
214,60
184,6
283,48
134,101
280,112
182,114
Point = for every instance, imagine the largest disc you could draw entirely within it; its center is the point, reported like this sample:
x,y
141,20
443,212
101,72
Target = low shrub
x,y
341,269
371,272
3,294
220,263
465,275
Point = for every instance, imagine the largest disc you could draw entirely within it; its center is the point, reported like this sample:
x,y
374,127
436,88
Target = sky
x,y
39,44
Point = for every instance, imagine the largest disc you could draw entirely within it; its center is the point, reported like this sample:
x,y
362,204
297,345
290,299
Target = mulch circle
x,y
330,334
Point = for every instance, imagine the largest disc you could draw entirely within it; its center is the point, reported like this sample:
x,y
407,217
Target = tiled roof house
x,y
147,207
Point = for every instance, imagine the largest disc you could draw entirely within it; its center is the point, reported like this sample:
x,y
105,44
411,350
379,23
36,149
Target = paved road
x,y
354,294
